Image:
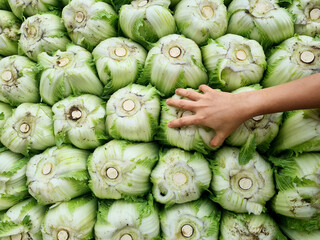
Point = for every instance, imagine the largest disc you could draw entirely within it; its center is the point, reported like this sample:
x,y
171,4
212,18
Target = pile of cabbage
x,y
85,149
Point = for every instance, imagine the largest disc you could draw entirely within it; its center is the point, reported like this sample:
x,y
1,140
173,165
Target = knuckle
x,y
202,117
181,104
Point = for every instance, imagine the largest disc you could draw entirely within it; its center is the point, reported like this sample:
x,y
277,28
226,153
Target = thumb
x,y
217,141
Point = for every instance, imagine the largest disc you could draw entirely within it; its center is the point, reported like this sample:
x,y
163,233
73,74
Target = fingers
x,y
184,121
204,88
181,103
192,95
217,141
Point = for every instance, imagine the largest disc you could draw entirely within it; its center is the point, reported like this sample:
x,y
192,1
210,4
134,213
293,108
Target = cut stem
x,y
143,3
112,173
75,114
207,12
128,105
258,118
126,237
179,178
245,183
32,32
7,75
241,55
315,14
16,237
63,235
24,128
63,62
47,168
120,52
79,17
262,7
175,52
187,230
307,57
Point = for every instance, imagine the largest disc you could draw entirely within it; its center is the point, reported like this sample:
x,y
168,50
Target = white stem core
x,y
128,105
179,178
32,31
207,12
245,183
258,118
120,52
112,173
187,230
307,57
24,128
63,235
47,168
16,237
76,114
63,62
175,52
262,7
143,3
6,75
79,17
241,55
126,237
315,14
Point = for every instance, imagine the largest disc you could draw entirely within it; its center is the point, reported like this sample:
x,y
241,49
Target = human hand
x,y
224,112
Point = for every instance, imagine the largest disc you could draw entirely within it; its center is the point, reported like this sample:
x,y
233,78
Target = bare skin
x,y
225,112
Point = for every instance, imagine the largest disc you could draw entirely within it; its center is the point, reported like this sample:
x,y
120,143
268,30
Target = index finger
x,y
204,88
184,121
192,95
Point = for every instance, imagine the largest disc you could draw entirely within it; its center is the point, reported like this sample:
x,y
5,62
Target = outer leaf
x,y
58,174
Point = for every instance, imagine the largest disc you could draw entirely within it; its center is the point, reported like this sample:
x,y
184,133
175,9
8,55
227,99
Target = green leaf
x,y
248,150
308,225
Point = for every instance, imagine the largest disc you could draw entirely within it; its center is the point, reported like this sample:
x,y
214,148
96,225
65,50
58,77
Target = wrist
x,y
250,104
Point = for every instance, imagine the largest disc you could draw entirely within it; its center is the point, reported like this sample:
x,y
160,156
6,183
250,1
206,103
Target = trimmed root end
x,y
63,62
179,178
187,230
143,3
7,76
128,105
63,235
262,7
245,183
24,128
307,57
112,173
79,17
75,114
315,14
175,52
32,32
207,12
16,237
258,118
47,168
126,237
241,55
120,52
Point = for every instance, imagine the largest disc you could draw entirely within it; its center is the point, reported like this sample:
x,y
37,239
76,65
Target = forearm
x,y
300,94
